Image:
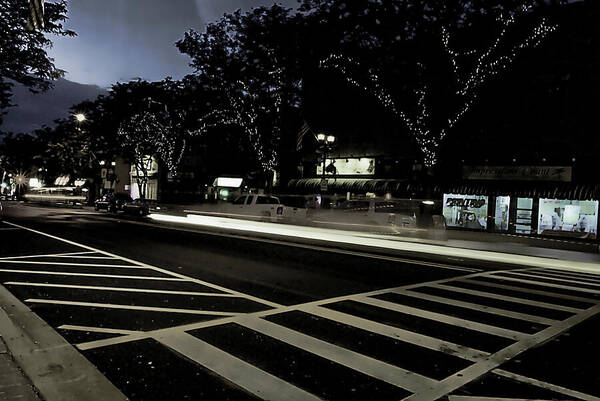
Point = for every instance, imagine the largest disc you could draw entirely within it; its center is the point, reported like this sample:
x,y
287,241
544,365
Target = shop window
x,y
466,211
501,217
524,216
568,216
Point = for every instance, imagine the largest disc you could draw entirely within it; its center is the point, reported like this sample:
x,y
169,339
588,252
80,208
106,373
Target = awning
x,y
359,185
405,188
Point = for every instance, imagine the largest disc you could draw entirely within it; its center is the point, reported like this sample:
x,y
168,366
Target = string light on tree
x,y
471,68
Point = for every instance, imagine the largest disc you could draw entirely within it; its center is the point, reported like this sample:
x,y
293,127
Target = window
x,y
266,200
240,201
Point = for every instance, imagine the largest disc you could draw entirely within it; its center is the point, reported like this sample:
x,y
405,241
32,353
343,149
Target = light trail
x,y
334,236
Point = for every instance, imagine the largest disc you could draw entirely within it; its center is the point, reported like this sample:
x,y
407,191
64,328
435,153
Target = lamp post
x,y
326,143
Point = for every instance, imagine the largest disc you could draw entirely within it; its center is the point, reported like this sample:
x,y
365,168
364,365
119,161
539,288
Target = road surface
x,y
166,313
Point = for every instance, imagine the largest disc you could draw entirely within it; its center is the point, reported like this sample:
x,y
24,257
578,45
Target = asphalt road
x,y
170,314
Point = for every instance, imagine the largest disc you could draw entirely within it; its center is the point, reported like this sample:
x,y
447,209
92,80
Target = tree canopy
x,y
23,52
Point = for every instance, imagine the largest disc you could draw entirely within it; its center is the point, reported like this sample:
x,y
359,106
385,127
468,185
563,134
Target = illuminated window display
x,y
568,215
501,216
348,166
524,216
466,211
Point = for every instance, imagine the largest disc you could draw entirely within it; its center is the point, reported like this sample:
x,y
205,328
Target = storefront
x,y
524,200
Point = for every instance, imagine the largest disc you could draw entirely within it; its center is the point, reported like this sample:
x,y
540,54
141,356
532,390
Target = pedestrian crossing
x,y
415,342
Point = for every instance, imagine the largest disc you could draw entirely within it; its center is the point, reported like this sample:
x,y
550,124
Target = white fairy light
x,y
488,63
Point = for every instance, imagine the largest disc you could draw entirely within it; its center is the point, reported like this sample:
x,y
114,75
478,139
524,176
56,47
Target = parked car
x,y
112,202
141,207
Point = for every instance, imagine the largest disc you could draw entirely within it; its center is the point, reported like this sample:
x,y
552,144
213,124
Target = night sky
x,y
123,39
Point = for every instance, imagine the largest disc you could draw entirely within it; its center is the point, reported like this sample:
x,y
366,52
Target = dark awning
x,y
405,188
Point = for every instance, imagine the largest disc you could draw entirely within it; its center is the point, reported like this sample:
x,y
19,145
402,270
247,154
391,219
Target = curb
x,y
56,369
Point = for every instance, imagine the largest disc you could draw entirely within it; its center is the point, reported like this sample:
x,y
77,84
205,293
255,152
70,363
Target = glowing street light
x,y
80,117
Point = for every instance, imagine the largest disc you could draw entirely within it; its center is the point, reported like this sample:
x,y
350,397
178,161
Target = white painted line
x,y
544,284
484,328
532,291
361,363
502,297
86,257
258,382
397,333
89,275
480,308
479,398
107,342
48,255
551,275
545,385
128,307
98,329
27,262
590,273
123,289
180,277
467,375
553,279
574,275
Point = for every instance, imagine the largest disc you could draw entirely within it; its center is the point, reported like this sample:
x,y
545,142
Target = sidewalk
x,y
14,385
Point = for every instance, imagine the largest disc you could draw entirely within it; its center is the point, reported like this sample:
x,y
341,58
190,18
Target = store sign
x,y
466,211
348,166
524,173
568,216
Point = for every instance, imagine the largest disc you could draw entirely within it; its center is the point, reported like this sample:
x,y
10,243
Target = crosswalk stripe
x,y
83,257
128,307
122,289
90,275
478,307
484,328
536,292
250,378
50,255
571,275
543,284
70,264
397,333
548,386
505,297
558,279
380,370
97,329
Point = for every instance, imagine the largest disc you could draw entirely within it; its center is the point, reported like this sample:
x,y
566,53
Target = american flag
x,y
303,131
36,15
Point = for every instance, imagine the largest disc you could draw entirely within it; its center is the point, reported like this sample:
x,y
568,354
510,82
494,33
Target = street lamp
x,y
325,144
80,117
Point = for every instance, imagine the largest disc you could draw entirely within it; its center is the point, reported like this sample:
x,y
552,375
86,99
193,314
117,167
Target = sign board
x,y
523,173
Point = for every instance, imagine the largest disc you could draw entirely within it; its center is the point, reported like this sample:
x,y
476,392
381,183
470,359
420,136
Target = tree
x,y
154,132
249,62
23,56
429,69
